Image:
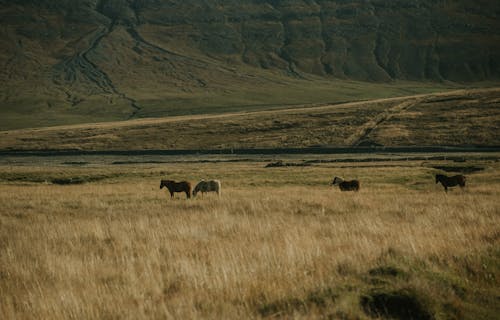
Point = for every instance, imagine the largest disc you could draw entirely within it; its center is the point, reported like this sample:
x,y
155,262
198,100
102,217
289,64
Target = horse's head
x,y
165,183
336,180
438,177
201,186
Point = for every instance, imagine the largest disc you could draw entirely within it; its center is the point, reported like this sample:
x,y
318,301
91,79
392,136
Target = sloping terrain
x,y
85,61
457,118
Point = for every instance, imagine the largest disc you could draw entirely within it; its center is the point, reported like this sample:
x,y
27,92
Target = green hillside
x,y
86,61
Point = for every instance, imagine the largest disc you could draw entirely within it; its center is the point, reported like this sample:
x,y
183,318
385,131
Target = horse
x,y
451,181
207,186
352,185
172,186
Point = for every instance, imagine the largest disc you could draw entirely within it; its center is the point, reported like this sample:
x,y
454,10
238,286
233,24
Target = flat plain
x,y
95,237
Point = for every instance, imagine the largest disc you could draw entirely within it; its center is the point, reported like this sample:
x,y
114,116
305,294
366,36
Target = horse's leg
x,y
188,194
171,195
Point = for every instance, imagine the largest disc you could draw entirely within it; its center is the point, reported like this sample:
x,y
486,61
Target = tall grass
x,y
123,249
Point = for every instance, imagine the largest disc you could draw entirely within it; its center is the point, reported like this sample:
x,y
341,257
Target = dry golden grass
x,y
454,118
279,242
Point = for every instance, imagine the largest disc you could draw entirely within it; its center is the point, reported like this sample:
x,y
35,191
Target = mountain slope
x,y
84,61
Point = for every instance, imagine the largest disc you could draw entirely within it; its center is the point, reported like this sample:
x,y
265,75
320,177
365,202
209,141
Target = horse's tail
x,y
188,189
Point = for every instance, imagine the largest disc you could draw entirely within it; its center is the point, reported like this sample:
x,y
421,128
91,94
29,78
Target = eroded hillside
x,y
81,61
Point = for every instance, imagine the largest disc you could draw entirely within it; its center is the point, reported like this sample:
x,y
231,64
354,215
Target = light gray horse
x,y
207,186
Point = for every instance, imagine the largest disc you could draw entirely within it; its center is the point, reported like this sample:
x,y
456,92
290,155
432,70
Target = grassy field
x,y
27,105
34,101
279,242
456,118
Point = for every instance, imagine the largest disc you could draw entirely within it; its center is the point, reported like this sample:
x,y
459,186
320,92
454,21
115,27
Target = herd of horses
x,y
344,185
446,182
185,187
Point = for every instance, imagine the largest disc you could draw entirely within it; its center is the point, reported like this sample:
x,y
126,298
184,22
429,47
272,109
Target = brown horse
x,y
451,181
352,185
173,187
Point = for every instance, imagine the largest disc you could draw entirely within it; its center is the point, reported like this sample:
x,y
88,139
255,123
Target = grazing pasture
x,y
278,242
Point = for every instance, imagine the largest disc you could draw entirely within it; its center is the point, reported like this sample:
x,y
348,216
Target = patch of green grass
x,y
320,298
277,93
400,304
434,289
402,287
66,177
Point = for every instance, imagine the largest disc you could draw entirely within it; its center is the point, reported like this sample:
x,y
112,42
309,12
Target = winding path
x,y
364,131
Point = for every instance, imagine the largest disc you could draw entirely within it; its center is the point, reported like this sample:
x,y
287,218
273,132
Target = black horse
x,y
458,180
352,185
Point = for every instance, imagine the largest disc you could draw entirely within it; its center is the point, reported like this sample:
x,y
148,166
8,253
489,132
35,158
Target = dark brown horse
x,y
458,180
173,187
352,185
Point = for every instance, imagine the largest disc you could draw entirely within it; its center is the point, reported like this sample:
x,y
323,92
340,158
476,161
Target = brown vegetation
x,y
458,118
278,242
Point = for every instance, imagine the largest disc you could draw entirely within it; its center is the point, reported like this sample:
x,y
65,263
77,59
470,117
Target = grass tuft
x,y
404,304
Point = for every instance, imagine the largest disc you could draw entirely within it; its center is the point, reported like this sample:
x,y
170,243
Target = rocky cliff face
x,y
361,39
76,49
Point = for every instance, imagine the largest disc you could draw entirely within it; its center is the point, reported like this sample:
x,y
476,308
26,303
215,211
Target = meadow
x,y
452,118
97,240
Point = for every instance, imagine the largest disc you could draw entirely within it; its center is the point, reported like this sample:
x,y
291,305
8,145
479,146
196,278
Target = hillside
x,y
461,118
87,60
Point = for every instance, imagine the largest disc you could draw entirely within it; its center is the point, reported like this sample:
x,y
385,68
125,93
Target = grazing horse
x,y
352,185
207,186
173,187
451,181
